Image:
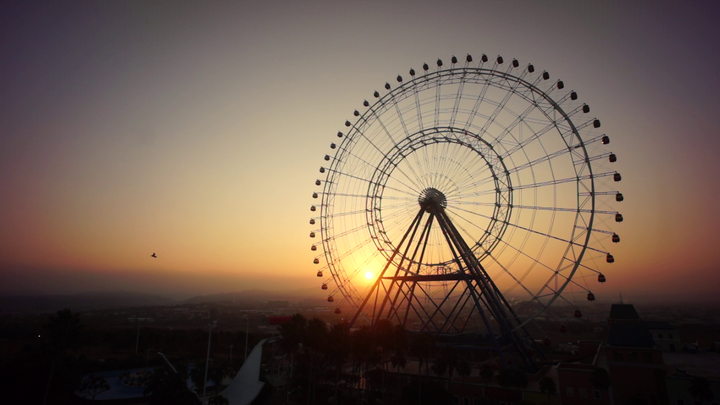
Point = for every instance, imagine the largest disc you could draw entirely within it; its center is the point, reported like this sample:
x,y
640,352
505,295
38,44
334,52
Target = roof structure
x,y
624,312
659,325
630,335
246,385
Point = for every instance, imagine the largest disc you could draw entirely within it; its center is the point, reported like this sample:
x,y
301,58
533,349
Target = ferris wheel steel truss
x,y
455,170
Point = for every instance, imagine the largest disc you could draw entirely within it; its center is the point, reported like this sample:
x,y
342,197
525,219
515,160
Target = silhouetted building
x,y
634,360
665,335
575,382
623,313
278,304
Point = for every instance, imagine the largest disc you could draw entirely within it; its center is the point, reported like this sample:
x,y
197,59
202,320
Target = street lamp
x,y
207,360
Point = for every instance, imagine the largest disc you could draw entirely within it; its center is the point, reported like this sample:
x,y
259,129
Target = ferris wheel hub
x,y
432,198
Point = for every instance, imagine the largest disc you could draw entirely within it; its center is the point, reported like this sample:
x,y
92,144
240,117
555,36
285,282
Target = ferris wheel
x,y
484,177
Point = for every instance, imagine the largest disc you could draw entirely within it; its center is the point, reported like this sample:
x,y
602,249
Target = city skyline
x,y
196,131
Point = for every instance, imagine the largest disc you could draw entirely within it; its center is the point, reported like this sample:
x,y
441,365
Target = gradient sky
x,y
195,130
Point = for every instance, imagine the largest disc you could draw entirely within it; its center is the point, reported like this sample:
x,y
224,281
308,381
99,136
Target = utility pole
x,y
247,332
207,360
137,341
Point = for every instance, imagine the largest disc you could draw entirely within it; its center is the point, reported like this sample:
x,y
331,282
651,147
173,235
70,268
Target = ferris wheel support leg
x,y
496,302
377,282
414,227
423,239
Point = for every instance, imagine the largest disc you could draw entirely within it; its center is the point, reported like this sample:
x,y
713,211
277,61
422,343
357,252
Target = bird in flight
x,y
154,255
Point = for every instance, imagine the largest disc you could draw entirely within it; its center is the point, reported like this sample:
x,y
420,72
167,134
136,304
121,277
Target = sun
x,y
369,275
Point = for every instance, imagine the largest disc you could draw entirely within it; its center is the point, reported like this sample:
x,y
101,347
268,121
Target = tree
x,y
464,370
63,330
93,386
700,389
547,386
600,379
486,372
169,388
219,400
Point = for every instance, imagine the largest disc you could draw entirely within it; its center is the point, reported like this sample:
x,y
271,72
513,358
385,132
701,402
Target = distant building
x,y
278,304
635,363
575,383
623,313
665,335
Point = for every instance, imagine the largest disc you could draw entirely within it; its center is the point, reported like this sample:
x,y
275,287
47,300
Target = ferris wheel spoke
x,y
456,106
532,230
564,180
411,191
501,106
544,158
508,130
414,187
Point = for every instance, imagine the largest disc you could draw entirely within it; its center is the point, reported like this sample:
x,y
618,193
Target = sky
x,y
195,130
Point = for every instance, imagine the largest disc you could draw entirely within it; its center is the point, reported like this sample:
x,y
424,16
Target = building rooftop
x,y
630,335
624,312
659,325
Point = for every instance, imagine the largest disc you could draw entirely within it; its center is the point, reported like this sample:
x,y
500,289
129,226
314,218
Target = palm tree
x,y
293,334
464,370
700,389
63,330
94,385
338,349
600,378
486,373
547,386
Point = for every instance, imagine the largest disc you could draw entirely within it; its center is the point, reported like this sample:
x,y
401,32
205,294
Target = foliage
x,y
600,379
219,400
547,386
432,394
512,378
486,372
169,388
700,389
94,385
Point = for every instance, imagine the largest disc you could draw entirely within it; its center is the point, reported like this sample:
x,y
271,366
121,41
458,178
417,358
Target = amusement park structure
x,y
464,202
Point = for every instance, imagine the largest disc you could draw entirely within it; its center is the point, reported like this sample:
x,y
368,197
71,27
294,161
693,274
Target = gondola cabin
x,y
615,238
617,177
591,297
330,298
618,217
601,278
578,314
324,286
609,258
337,311
563,329
619,197
319,273
316,261
313,248
612,158
605,140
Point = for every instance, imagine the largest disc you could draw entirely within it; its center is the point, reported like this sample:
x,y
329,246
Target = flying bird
x,y
154,255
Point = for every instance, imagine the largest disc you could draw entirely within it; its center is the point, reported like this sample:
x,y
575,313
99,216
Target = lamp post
x,y
207,360
247,332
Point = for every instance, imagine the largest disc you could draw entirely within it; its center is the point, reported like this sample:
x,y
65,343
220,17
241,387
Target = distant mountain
x,y
80,302
256,295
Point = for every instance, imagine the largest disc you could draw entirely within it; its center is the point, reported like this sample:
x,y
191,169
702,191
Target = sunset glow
x,y
197,132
